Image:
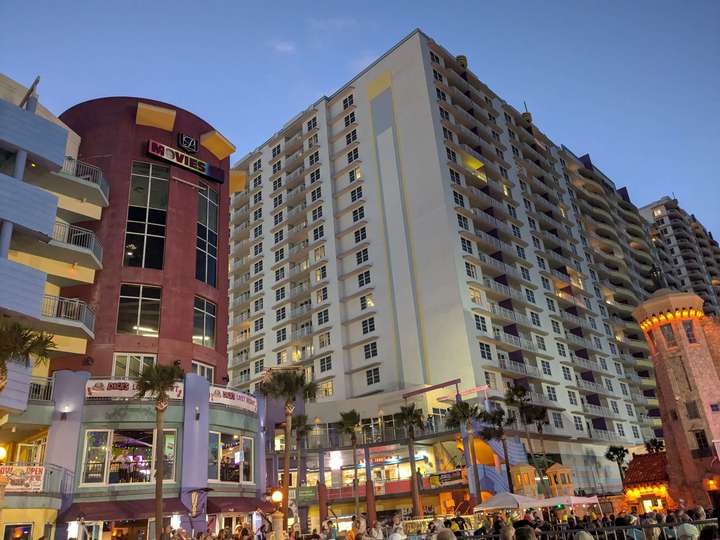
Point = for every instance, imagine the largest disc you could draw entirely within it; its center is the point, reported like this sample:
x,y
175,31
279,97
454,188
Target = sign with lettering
x,y
181,159
186,142
306,495
446,478
233,398
22,478
122,389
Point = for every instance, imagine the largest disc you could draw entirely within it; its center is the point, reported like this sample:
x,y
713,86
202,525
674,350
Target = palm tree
x,y
618,455
349,424
462,414
301,427
411,418
519,397
496,421
157,381
287,385
19,344
653,446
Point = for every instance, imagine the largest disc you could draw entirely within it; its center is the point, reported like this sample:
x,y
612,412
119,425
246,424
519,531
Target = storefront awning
x,y
116,510
219,505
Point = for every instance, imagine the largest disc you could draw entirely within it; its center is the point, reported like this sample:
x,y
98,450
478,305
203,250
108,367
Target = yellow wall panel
x,y
217,144
238,181
154,116
65,270
91,211
379,85
37,516
70,345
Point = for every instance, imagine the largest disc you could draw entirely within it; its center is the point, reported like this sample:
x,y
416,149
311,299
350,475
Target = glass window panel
x,y
149,318
212,217
247,463
138,191
134,249
135,227
137,213
131,457
139,167
198,327
158,194
213,452
211,277
127,315
210,332
161,171
120,367
169,453
157,216
151,292
96,443
200,270
154,252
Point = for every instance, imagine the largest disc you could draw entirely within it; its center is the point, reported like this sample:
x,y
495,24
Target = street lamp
x,y
277,497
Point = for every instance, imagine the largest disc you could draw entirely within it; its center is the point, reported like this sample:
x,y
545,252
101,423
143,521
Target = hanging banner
x,y
233,398
122,389
22,478
446,479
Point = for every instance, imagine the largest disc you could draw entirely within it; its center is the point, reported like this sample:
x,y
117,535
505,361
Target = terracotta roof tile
x,y
647,469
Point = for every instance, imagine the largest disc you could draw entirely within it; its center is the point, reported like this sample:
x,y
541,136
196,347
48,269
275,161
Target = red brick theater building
x,y
162,293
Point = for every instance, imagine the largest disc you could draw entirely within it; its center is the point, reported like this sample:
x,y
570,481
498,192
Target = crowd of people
x,y
681,524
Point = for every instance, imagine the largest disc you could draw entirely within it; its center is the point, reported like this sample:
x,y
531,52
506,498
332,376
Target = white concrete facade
x,y
474,255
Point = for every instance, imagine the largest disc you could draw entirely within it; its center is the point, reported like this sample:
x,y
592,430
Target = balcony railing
x,y
70,309
78,237
29,479
41,389
87,172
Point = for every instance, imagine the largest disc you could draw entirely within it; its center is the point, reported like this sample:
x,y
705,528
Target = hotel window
x,y
466,245
130,366
614,407
277,200
276,151
311,124
480,323
356,194
485,351
567,374
700,439
463,222
257,165
361,256
257,198
368,325
491,380
693,412
455,177
280,314
323,317
635,432
139,311
557,420
258,267
277,167
551,394
364,278
459,199
579,425
530,295
280,294
358,214
315,176
316,194
561,349
444,114
321,273
324,340
545,365
360,235
629,409
204,370
230,458
624,389
258,324
257,231
434,57
620,430
316,213
572,397
280,274
279,254
257,214
207,236
204,323
348,102
257,249
326,389
318,233
372,376
314,158
281,335
440,94
147,213
259,366
370,350
325,364
451,155
351,137
321,295
535,318
350,119
125,456
366,302
471,270
556,327
257,181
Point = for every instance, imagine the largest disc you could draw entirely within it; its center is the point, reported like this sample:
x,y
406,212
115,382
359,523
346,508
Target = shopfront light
x,y
276,496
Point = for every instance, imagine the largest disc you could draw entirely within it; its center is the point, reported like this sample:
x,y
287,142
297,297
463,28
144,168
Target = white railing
x,y
519,367
41,389
87,172
302,332
77,236
504,289
70,309
509,314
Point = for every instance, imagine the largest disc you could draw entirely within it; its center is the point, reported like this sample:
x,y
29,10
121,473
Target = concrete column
x,y
261,469
369,490
322,488
64,435
20,161
6,230
196,424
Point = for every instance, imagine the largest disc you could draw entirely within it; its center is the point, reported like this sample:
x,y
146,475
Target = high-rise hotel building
x,y
694,254
414,228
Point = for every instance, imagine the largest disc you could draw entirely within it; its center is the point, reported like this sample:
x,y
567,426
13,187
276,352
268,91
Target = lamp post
x,y
3,480
276,518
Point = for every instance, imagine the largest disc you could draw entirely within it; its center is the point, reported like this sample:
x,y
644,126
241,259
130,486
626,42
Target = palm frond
x,y
349,422
287,385
18,343
410,417
156,381
460,413
300,425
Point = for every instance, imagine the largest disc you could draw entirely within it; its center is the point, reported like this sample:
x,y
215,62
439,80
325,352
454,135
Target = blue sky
x,y
635,84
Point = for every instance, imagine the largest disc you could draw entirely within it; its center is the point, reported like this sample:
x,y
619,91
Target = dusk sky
x,y
635,84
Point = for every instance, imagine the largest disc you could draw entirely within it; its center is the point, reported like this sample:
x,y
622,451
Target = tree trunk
x,y
622,475
507,465
414,487
286,467
356,487
159,470
473,459
300,476
532,454
545,483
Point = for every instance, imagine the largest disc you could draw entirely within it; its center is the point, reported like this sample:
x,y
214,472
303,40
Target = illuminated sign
x,y
175,156
186,142
233,398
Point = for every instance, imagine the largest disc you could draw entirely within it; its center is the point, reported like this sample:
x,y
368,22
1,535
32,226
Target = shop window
x,y
147,213
130,366
230,458
139,311
125,456
203,323
18,531
207,236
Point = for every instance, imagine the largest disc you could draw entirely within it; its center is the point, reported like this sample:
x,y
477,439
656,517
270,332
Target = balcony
x,y
504,291
301,333
68,317
597,410
519,368
68,243
49,480
76,179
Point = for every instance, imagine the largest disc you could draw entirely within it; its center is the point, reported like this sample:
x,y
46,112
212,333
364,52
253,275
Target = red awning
x,y
218,505
116,510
